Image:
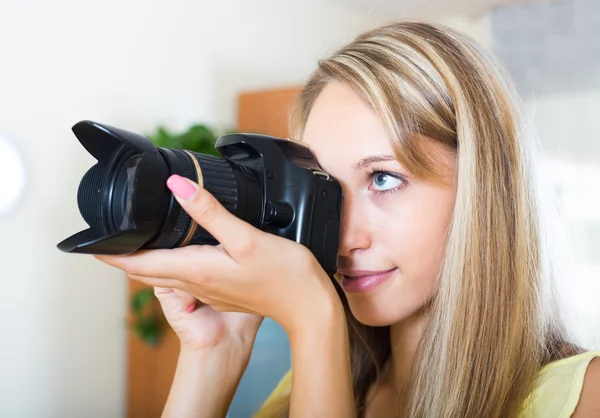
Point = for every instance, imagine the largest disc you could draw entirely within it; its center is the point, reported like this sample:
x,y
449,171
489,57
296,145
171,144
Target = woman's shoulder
x,y
569,387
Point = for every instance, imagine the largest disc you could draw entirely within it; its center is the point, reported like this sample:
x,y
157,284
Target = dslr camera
x,y
273,184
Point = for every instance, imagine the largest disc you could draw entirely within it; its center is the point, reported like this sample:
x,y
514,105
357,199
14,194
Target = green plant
x,y
148,322
198,138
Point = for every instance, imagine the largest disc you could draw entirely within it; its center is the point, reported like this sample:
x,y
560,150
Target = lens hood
x,y
117,150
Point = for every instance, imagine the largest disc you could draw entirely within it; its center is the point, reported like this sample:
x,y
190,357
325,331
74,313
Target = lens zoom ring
x,y
218,178
184,168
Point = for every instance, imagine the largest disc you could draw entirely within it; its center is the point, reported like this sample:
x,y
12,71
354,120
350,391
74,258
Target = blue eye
x,y
384,182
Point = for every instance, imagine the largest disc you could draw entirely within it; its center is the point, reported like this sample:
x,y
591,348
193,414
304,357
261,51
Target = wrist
x,y
321,364
204,384
322,318
229,363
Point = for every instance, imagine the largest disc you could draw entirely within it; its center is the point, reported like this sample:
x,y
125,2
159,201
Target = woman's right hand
x,y
200,327
215,347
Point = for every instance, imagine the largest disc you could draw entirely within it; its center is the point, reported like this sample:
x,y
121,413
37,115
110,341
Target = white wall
x,y
475,26
552,52
132,64
567,126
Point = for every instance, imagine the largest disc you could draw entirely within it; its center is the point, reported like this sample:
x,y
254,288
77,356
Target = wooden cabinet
x,y
150,370
266,111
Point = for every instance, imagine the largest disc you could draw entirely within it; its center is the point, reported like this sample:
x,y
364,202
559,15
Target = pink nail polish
x,y
191,308
181,186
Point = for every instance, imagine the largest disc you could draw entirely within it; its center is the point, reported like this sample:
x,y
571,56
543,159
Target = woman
x,y
438,308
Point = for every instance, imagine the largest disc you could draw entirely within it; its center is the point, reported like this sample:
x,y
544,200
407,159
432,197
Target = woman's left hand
x,y
250,271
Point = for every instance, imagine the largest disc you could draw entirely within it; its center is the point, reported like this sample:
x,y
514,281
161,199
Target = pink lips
x,y
363,280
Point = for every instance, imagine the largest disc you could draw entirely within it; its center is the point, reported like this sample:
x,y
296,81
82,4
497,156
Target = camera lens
x,y
125,201
122,195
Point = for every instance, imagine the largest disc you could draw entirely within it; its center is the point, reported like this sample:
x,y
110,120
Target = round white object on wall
x,y
12,176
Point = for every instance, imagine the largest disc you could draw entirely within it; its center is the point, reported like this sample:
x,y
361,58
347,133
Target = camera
x,y
272,183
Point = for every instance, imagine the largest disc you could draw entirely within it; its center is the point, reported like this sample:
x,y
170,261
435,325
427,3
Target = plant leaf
x,y
141,299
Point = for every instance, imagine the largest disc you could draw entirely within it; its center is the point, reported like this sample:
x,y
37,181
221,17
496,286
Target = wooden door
x,y
150,370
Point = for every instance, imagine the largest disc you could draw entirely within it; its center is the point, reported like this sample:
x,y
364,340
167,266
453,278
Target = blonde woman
x,y
439,307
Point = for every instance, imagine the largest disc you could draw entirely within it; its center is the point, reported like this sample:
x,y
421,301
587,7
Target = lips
x,y
360,281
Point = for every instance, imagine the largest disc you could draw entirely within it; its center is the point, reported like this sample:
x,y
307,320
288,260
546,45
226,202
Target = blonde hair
x,y
490,325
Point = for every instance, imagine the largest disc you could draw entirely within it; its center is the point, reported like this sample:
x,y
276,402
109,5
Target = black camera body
x,y
274,184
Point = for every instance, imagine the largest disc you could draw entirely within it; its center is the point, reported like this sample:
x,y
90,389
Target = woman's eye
x,y
385,182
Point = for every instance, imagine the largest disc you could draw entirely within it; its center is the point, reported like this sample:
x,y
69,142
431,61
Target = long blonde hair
x,y
490,325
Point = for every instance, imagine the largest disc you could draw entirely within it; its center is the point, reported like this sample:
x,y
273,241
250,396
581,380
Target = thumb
x,y
175,299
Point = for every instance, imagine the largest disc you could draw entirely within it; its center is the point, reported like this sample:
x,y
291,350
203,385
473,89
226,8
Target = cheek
x,y
414,232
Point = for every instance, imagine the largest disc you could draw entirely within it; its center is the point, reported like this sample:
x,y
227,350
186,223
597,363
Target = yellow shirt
x,y
559,388
555,396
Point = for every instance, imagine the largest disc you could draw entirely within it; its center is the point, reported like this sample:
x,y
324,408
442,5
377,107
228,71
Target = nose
x,y
355,234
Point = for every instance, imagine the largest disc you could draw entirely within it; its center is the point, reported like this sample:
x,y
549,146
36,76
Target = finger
x,y
156,281
233,233
183,299
173,293
160,291
184,295
175,297
227,308
188,301
181,264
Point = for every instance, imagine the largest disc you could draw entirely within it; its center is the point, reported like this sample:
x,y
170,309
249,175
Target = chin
x,y
377,313
372,314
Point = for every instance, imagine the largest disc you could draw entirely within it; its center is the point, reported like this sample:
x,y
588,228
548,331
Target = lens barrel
x,y
237,189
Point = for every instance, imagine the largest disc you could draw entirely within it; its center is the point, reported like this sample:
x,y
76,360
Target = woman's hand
x,y
199,326
250,272
215,347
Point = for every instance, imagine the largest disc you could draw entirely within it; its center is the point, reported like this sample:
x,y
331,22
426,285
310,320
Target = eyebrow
x,y
365,162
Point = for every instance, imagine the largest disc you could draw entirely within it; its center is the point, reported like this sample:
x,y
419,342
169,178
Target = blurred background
x,y
66,349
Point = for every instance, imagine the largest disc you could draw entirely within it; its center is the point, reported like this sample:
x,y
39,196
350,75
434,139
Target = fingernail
x,y
191,308
181,186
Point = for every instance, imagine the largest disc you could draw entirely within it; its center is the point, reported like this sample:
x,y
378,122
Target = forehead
x,y
342,129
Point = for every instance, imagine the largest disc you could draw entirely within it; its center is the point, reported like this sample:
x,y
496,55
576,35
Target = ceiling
x,y
426,8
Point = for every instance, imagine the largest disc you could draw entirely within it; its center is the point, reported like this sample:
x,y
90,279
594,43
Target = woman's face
x,y
394,225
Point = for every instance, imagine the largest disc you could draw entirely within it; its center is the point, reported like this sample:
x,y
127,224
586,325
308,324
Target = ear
x,y
589,402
